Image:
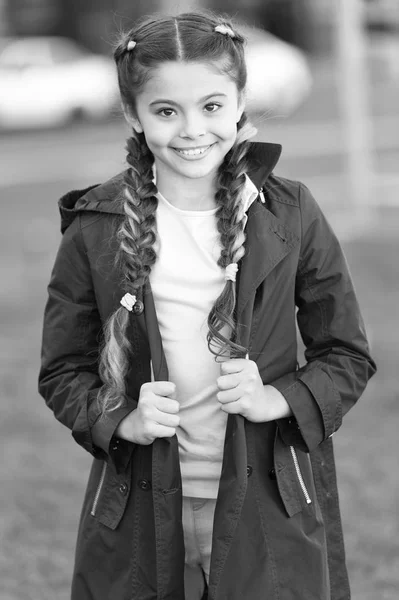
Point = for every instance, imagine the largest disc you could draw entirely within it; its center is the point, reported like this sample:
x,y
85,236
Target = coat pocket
x,y
294,476
99,489
111,496
300,476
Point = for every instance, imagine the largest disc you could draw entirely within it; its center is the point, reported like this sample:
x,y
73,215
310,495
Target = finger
x,y
163,388
232,408
166,419
162,431
234,365
167,405
229,396
227,382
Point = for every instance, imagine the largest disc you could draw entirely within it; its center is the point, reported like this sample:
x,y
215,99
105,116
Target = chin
x,y
198,170
197,173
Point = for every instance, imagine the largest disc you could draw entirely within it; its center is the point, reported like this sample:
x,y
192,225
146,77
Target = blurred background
x,y
323,82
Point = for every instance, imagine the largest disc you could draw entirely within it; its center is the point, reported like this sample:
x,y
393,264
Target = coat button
x,y
144,484
115,444
138,307
123,488
249,471
272,474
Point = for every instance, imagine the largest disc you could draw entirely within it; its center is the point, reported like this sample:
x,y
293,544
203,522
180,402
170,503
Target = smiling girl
x,y
170,350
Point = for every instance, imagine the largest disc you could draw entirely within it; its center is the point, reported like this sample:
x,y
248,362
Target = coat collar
x,y
262,158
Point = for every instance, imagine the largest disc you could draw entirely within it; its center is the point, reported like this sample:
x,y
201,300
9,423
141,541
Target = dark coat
x,y
277,530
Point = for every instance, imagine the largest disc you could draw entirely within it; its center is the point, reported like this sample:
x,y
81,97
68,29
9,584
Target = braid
x,y
137,232
135,257
230,224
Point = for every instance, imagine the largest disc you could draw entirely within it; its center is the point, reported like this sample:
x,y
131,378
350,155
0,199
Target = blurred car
x,y
46,81
382,15
49,81
279,77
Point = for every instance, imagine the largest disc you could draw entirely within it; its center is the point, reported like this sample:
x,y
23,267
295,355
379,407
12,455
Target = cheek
x,y
228,126
229,134
157,135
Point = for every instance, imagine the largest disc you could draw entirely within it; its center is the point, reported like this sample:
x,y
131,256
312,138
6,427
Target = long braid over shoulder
x,y
135,257
230,223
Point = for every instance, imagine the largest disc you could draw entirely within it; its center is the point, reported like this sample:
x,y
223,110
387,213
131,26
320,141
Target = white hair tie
x,y
230,272
225,30
128,301
131,45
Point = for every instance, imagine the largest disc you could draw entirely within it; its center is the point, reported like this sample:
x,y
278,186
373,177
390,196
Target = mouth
x,y
192,153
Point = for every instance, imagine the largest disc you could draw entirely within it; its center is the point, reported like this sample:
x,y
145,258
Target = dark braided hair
x,y
230,224
188,37
135,257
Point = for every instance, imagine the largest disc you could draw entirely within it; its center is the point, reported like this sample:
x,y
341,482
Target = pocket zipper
x,y
299,475
99,487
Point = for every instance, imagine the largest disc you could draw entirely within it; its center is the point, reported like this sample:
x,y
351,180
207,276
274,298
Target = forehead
x,y
180,81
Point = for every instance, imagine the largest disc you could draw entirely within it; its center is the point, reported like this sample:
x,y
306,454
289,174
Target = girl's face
x,y
189,114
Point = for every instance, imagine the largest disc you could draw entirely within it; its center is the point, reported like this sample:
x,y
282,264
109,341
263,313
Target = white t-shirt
x,y
186,280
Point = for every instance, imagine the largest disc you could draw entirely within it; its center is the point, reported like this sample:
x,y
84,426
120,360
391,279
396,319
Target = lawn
x,y
43,472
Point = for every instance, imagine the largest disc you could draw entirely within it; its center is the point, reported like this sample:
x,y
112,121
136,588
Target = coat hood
x,y
104,198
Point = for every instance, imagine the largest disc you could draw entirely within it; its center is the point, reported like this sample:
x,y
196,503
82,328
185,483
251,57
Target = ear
x,y
137,126
132,120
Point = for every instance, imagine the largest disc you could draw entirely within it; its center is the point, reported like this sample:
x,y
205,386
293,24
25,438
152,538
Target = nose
x,y
193,127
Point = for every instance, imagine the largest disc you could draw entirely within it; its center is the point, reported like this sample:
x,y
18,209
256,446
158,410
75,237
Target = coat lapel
x,y
268,241
159,366
165,453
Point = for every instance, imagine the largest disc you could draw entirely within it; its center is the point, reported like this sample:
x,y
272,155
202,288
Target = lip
x,y
208,147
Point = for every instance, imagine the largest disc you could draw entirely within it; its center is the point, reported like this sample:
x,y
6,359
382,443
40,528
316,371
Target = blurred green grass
x,y
43,472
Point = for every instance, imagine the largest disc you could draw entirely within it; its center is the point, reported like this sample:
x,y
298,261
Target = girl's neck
x,y
185,193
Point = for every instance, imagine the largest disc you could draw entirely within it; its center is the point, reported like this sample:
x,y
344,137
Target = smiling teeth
x,y
193,152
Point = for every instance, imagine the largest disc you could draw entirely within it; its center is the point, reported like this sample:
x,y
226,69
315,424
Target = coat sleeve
x,y
69,380
338,362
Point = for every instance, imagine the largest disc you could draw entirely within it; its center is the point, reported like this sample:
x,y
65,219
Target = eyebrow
x,y
166,101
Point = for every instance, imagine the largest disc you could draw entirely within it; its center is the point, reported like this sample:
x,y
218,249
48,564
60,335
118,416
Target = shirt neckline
x,y
249,194
186,212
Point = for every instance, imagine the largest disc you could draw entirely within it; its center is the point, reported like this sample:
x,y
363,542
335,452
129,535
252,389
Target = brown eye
x,y
166,112
212,107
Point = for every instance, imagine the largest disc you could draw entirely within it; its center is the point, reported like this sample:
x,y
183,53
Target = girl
x,y
170,350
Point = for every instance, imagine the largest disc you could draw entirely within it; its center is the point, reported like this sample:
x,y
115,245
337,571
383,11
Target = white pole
x,y
3,18
354,95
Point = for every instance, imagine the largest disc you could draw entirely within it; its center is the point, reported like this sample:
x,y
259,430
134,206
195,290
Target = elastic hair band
x,y
230,272
225,30
128,301
131,45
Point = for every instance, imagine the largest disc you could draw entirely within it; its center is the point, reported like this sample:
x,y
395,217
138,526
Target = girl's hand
x,y
156,415
241,391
